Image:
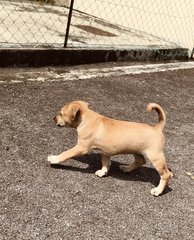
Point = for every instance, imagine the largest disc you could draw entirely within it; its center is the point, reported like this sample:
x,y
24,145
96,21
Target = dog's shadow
x,y
142,174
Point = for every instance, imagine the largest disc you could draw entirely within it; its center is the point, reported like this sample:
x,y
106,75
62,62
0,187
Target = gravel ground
x,y
68,201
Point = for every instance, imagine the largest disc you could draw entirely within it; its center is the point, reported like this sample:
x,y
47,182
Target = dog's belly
x,y
114,150
96,150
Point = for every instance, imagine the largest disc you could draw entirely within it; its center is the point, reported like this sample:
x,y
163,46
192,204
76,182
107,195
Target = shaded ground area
x,y
69,202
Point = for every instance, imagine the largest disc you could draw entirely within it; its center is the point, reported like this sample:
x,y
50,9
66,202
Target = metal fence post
x,y
192,53
68,23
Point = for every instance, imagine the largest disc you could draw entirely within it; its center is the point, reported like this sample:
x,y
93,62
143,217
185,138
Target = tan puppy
x,y
112,137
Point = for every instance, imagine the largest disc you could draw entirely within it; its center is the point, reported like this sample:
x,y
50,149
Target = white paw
x,y
156,191
100,173
52,159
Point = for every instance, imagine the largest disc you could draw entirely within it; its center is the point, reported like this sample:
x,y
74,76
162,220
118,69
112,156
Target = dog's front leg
x,y
106,162
73,152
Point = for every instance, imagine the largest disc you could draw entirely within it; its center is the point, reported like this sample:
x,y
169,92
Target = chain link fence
x,y
124,24
32,23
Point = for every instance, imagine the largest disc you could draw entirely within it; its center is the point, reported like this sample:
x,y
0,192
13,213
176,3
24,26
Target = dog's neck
x,y
87,118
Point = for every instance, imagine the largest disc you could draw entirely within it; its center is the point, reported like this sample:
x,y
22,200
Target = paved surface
x,y
69,202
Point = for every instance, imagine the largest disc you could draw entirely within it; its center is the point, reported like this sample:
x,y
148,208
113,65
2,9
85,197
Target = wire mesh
x,y
98,23
134,23
33,23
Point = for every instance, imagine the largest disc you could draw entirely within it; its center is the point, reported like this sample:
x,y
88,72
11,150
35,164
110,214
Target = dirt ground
x,y
68,201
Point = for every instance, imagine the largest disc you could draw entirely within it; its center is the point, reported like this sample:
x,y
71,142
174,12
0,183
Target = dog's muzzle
x,y
58,123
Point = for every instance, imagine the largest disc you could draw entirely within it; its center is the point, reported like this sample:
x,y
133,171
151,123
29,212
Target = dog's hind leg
x,y
138,162
106,162
159,162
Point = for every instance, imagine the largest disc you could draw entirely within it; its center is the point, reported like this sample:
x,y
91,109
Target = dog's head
x,y
70,114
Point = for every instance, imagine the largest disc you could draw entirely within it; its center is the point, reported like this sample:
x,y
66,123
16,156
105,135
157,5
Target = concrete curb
x,y
73,56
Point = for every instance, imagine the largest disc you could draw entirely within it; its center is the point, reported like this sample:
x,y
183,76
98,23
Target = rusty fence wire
x,y
97,24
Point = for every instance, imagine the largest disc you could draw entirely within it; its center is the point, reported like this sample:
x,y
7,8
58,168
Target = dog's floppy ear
x,y
74,112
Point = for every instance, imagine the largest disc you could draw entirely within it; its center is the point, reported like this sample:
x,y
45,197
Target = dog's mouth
x,y
60,124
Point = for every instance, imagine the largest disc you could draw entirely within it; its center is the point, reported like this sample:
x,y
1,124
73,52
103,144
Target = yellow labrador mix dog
x,y
112,137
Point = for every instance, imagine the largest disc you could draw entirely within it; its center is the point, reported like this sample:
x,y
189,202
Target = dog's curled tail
x,y
161,114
